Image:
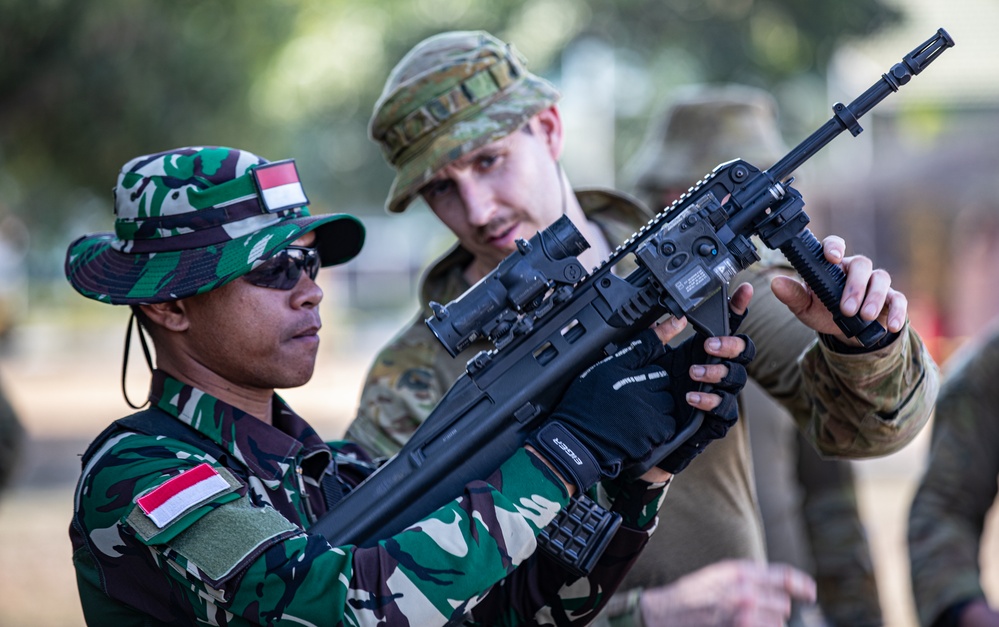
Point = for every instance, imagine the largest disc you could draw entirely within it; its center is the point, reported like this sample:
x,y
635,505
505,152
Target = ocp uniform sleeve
x,y
958,486
847,405
405,382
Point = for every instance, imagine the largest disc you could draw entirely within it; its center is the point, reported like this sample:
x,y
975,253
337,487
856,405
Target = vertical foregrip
x,y
827,281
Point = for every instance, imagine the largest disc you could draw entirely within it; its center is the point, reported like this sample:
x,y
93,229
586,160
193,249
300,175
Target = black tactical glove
x,y
716,422
612,416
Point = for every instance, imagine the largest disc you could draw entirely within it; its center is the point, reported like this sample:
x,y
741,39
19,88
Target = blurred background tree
x,y
85,86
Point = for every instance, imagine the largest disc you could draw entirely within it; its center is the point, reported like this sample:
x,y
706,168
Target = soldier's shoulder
x,y
413,345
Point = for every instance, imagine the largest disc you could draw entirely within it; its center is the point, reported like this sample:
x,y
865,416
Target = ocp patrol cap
x,y
451,94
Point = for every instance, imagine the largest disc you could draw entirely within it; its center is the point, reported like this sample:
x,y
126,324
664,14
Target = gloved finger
x,y
728,344
677,361
669,328
715,427
735,320
721,405
738,302
720,375
725,413
734,379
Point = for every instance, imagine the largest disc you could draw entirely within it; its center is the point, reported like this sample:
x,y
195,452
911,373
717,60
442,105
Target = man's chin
x,y
295,377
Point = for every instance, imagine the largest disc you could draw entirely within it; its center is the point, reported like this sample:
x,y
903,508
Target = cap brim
x,y
99,271
339,237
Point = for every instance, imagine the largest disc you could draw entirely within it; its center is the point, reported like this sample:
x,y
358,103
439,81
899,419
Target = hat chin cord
x,y
563,182
124,364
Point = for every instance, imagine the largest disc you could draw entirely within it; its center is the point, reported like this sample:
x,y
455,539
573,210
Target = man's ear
x,y
171,315
549,124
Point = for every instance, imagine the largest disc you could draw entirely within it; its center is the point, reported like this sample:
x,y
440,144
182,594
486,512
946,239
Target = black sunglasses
x,y
284,269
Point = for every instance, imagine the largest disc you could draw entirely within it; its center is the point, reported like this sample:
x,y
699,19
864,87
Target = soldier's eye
x,y
485,162
435,189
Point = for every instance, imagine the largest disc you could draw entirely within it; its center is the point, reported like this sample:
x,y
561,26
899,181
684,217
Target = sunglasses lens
x,y
283,270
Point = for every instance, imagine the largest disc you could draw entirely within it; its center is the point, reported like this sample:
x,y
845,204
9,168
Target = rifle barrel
x,y
845,117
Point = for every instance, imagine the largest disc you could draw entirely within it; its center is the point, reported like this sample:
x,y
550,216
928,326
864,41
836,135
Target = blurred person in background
x,y
196,509
957,491
12,438
478,137
13,294
808,504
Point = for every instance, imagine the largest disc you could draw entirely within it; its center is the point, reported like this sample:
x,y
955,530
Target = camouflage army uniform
x,y
959,486
195,511
457,92
849,405
242,556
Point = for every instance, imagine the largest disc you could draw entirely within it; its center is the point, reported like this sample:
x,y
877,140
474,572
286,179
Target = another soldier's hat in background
x,y
706,125
451,94
192,219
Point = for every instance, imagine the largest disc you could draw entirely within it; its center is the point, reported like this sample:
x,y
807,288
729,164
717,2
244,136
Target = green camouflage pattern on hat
x,y
190,220
451,94
705,126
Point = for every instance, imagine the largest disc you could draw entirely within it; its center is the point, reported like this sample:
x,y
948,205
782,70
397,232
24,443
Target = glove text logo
x,y
561,445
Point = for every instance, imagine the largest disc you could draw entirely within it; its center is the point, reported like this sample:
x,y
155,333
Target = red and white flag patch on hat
x,y
172,499
279,185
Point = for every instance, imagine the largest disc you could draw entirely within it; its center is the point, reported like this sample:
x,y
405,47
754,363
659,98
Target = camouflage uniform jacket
x,y
847,405
959,486
165,533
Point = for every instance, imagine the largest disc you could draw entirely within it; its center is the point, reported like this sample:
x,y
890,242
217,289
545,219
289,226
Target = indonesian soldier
x,y
196,510
475,135
808,504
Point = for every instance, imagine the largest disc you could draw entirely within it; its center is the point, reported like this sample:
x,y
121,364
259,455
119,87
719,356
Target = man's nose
x,y
479,202
307,292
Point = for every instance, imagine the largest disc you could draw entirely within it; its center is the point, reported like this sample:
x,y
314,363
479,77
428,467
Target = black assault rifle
x,y
549,320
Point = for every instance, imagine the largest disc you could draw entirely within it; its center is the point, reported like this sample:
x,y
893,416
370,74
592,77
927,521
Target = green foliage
x,y
84,86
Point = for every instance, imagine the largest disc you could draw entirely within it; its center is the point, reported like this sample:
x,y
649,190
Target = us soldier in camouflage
x,y
957,491
196,509
808,504
478,137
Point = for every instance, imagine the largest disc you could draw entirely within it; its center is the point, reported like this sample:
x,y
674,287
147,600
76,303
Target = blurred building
x,y
917,188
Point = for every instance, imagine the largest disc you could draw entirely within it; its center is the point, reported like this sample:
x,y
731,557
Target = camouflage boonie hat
x,y
190,220
704,126
451,94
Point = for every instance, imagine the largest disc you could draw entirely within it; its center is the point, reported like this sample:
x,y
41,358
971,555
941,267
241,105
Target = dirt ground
x,y
67,388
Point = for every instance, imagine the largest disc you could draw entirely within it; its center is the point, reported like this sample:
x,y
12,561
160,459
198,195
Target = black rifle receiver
x,y
549,320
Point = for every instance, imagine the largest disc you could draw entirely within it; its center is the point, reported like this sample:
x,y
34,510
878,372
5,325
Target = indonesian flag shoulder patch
x,y
178,495
279,185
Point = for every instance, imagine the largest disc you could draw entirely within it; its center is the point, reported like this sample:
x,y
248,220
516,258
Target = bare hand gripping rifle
x,y
549,320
